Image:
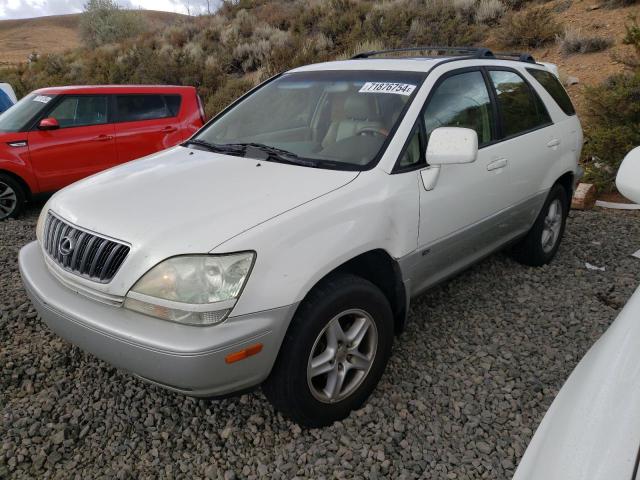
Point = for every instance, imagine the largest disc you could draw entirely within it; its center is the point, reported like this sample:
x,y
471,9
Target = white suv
x,y
282,243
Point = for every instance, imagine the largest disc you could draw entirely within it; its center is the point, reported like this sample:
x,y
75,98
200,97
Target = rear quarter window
x,y
134,108
554,88
173,104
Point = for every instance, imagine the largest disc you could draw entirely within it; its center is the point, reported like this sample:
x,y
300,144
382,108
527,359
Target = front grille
x,y
79,251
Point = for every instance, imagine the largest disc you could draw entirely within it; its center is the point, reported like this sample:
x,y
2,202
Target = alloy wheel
x,y
342,356
8,200
552,226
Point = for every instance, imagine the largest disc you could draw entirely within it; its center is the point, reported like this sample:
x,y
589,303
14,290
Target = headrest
x,y
358,107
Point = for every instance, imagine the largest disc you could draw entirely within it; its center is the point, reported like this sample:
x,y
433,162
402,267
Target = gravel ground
x,y
482,359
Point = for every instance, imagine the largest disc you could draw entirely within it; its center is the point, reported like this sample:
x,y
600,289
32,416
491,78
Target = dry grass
x,y
530,28
53,34
575,41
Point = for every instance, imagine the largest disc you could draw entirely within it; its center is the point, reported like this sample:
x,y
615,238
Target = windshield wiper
x,y
277,154
216,147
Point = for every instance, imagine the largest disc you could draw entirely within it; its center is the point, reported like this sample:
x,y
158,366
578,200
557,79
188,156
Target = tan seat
x,y
359,113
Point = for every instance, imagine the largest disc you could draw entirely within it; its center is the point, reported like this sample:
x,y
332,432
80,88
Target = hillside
x,y
247,41
590,69
54,34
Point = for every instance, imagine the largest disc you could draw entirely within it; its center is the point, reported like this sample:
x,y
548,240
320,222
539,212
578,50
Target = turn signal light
x,y
242,354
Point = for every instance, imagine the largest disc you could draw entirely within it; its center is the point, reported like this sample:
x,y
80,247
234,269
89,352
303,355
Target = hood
x,y
188,201
592,429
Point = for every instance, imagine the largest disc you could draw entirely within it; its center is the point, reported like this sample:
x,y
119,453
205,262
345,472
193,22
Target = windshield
x,y
333,119
17,117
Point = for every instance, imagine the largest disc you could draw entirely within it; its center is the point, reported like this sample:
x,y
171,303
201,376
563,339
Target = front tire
x,y
541,244
12,197
334,353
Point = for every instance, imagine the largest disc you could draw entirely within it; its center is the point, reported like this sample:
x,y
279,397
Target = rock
x,y
584,197
479,363
58,437
571,81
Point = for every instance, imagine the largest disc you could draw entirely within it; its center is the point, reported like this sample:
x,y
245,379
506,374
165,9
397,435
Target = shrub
x,y
632,37
490,11
466,9
103,21
530,28
518,4
620,3
612,127
574,41
362,47
232,89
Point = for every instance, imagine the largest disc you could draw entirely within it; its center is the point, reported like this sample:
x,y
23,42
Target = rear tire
x,y
334,352
12,197
541,244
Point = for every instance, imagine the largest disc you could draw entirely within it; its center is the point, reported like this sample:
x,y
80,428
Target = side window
x,y
461,101
521,108
413,151
78,111
133,108
553,86
173,104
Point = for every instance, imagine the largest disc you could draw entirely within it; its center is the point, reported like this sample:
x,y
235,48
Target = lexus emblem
x,y
66,245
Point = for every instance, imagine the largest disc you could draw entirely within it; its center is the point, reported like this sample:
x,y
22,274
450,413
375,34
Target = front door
x,y
461,206
84,144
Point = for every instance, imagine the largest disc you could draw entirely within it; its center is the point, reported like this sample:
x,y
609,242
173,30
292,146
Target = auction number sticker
x,y
42,99
388,87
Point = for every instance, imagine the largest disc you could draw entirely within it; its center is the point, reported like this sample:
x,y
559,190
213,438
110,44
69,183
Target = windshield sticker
x,y
42,99
388,87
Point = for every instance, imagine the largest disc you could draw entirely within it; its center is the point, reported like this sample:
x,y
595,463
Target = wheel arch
x,y
27,190
566,181
384,272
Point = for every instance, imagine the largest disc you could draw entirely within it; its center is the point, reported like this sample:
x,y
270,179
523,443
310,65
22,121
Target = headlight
x,y
40,224
194,290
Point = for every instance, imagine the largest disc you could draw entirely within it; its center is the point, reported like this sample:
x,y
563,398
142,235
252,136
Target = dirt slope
x,y
53,34
590,68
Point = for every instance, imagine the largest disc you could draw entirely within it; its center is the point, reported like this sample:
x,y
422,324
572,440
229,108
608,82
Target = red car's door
x,y
146,123
84,144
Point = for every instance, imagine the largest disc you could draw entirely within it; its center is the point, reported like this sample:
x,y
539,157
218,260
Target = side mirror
x,y
628,179
451,145
48,124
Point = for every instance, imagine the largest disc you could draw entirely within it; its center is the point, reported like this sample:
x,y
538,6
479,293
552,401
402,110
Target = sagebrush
x,y
612,128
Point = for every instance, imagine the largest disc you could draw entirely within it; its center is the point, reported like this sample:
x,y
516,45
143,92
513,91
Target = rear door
x,y
84,144
146,123
527,132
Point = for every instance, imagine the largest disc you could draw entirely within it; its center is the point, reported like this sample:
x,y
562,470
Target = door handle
x,y
103,138
430,177
555,143
169,129
497,163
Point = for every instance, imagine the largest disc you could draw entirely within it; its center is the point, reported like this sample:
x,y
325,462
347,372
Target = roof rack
x,y
521,57
465,52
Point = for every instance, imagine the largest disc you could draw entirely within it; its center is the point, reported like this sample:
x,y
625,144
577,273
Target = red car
x,y
55,136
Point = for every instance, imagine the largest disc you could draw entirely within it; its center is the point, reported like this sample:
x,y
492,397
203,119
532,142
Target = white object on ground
x,y
8,89
617,206
592,429
593,267
637,254
628,174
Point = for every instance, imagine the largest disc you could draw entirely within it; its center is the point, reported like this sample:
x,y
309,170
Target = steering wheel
x,y
373,131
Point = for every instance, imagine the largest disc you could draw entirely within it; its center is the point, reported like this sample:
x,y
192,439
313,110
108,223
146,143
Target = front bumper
x,y
184,358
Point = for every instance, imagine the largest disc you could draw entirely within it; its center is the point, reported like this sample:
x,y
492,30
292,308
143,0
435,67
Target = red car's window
x,y
133,108
77,111
173,104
